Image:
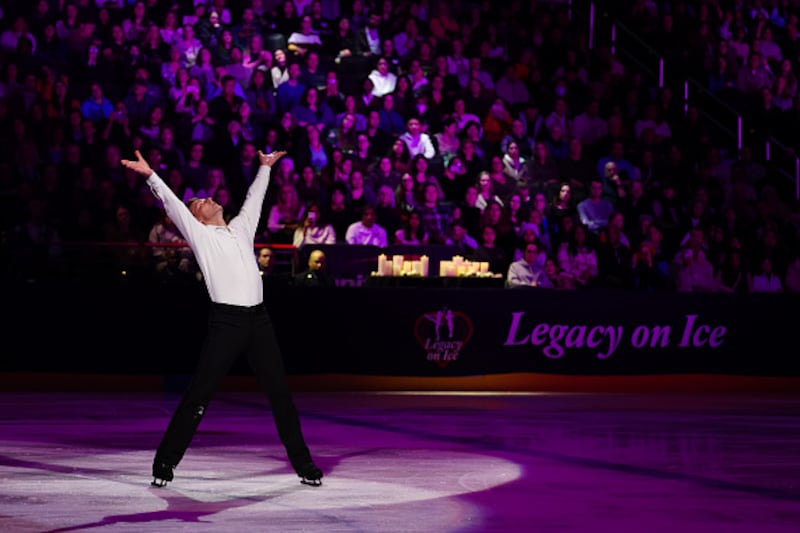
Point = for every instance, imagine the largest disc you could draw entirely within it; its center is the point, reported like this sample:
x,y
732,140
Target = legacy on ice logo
x,y
443,334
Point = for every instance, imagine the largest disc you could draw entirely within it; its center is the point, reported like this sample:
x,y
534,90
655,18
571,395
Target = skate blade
x,y
158,482
311,482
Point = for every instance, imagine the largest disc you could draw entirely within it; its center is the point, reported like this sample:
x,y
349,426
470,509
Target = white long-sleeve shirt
x,y
223,253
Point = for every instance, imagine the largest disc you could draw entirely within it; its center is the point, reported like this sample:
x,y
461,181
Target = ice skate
x,y
162,474
310,474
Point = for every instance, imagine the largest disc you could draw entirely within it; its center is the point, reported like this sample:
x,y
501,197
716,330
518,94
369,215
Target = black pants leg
x,y
228,334
264,356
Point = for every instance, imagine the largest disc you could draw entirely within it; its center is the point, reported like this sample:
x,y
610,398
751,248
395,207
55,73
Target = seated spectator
x,y
313,229
543,171
577,258
488,251
765,279
338,213
515,167
390,120
595,210
358,194
412,231
285,215
732,276
556,276
693,271
614,260
310,110
312,74
529,270
343,136
290,92
366,231
279,72
383,81
350,108
792,278
461,239
448,143
305,39
261,97
417,141
755,76
96,107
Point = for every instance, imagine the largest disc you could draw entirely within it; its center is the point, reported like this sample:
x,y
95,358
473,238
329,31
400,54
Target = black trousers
x,y
233,331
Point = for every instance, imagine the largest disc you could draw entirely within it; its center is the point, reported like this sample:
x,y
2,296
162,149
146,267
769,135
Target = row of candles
x,y
397,265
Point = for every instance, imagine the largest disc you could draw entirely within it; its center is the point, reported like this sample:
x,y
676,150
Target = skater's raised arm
x,y
250,213
184,218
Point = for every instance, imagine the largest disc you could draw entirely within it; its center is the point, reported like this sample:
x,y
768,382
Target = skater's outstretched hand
x,y
270,159
140,165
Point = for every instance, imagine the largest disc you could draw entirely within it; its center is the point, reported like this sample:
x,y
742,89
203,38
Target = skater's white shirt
x,y
223,253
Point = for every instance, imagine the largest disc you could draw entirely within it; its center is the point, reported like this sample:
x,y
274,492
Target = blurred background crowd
x,y
507,131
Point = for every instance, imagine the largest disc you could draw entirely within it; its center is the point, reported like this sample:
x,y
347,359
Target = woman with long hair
x,y
503,185
341,43
405,196
412,231
543,169
171,67
311,110
400,157
279,72
496,216
180,88
285,215
313,228
486,193
203,69
419,170
359,195
261,96
314,151
343,137
309,188
577,257
387,215
448,143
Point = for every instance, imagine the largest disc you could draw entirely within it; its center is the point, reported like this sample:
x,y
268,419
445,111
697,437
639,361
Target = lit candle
x,y
381,265
425,262
484,267
397,265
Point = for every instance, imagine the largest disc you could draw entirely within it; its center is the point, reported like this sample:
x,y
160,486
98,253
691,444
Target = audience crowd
x,y
495,128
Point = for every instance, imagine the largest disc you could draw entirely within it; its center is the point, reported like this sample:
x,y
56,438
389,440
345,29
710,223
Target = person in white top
x,y
238,321
417,141
313,230
305,40
366,231
383,81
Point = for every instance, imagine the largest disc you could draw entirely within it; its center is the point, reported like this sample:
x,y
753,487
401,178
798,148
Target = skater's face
x,y
205,209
